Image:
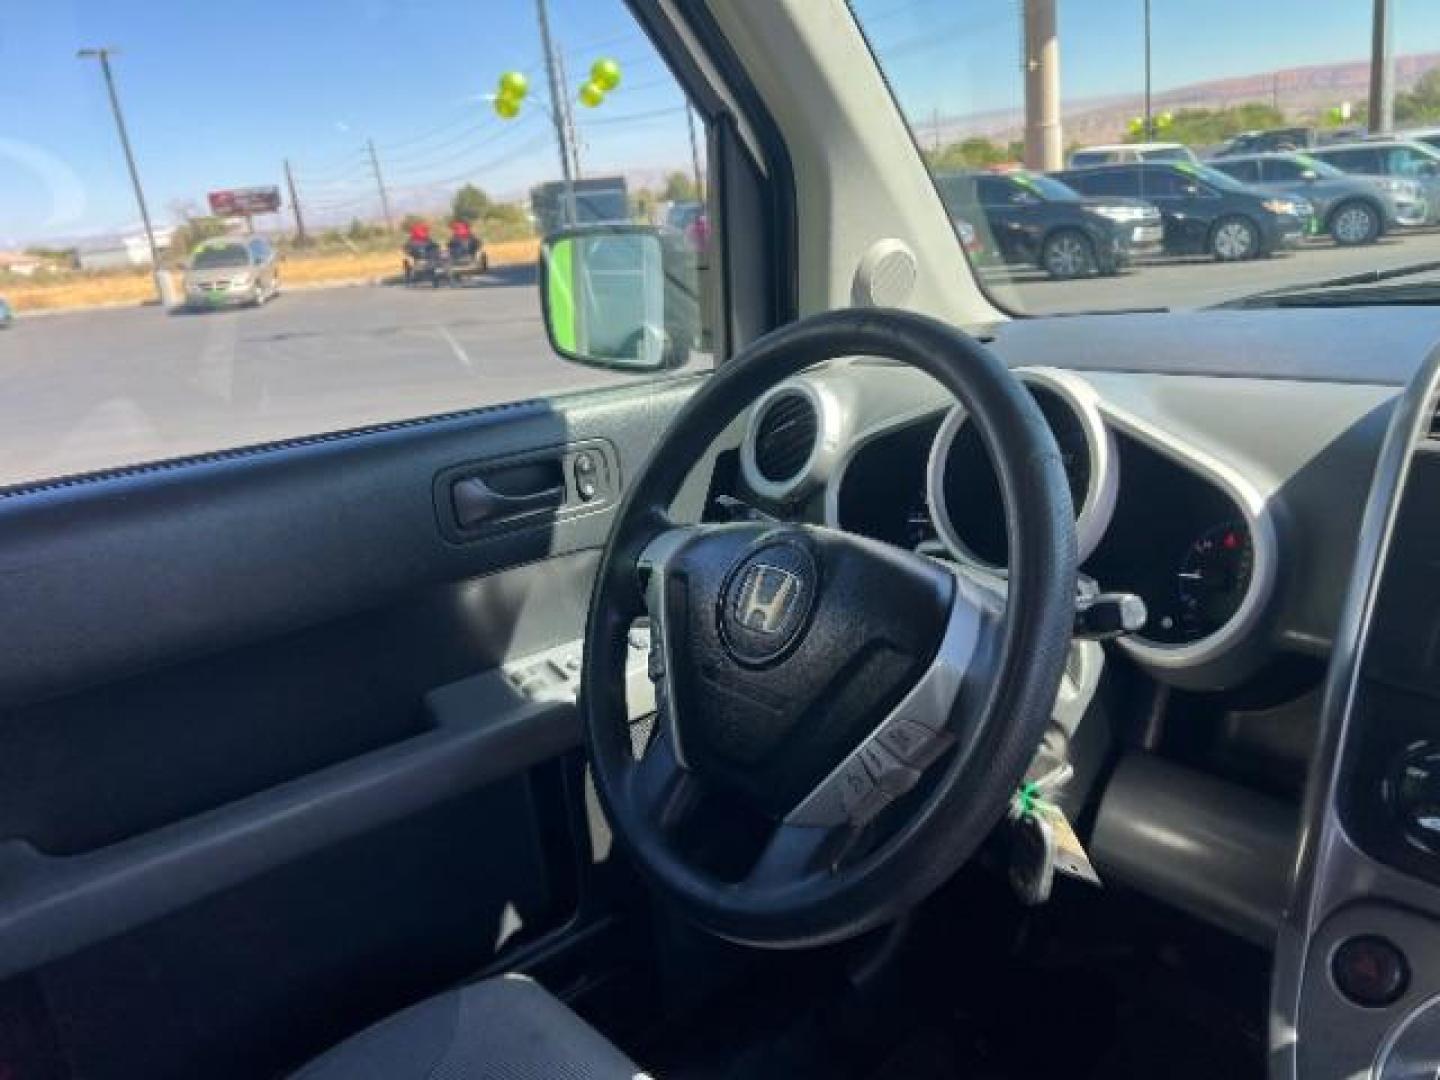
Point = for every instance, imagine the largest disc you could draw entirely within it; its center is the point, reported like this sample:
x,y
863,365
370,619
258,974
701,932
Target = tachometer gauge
x,y
1213,578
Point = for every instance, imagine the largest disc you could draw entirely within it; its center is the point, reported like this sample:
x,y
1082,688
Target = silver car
x,y
1409,169
1352,209
232,270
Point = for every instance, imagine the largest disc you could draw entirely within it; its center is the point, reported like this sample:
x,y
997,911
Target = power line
x,y
652,114
445,161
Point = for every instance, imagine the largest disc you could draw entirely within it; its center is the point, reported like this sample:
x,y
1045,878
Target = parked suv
x,y
1269,140
1206,212
1121,153
232,270
1406,166
1037,220
1352,209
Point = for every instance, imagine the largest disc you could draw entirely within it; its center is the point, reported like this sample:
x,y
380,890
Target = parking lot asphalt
x,y
90,390
1202,282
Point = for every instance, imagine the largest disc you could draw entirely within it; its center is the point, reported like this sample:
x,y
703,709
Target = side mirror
x,y
619,297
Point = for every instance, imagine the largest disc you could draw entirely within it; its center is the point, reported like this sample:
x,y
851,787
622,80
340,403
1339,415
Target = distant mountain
x,y
1301,93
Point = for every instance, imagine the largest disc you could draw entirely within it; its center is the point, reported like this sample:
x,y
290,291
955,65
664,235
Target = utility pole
x,y
1149,118
162,280
1382,71
559,110
1043,148
300,238
695,154
380,183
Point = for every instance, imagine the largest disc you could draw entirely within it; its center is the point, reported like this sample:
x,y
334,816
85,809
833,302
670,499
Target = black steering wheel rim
x,y
1029,645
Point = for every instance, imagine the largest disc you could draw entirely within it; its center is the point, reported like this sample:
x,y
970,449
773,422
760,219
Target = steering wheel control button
x,y
1370,971
766,602
1104,616
860,797
914,744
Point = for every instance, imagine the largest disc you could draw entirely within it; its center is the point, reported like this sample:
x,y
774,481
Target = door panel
x,y
236,681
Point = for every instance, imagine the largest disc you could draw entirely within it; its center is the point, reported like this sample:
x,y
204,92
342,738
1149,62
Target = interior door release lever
x,y
477,503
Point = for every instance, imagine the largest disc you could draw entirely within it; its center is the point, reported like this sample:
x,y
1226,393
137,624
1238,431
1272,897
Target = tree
x,y
679,187
1421,103
470,204
972,153
1205,127
194,231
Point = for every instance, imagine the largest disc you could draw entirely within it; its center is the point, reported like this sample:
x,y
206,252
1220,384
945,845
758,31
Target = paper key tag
x,y
1070,857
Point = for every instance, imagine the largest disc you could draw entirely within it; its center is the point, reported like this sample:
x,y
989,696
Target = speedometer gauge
x,y
1213,577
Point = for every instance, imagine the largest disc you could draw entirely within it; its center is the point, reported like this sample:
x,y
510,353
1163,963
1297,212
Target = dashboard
x,y
1267,483
1197,494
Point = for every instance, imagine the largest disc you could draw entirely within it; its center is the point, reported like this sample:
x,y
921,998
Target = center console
x,y
1357,979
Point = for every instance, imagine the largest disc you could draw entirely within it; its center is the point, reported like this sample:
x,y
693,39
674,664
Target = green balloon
x,y
605,74
591,94
513,84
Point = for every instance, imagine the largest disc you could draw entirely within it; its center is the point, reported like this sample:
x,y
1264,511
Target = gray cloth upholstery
x,y
500,1029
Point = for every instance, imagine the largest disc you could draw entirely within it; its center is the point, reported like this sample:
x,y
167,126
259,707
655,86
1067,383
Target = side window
x,y
956,192
360,182
1247,172
1358,160
1407,161
1162,183
1282,170
997,191
1108,182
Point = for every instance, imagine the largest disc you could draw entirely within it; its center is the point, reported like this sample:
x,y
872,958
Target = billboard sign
x,y
244,202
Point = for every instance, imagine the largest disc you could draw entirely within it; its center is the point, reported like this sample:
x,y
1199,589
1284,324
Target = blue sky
x,y
218,94
963,56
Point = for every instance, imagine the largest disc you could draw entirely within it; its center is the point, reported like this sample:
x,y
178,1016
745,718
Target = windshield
x,y
214,258
1319,168
1047,187
1096,90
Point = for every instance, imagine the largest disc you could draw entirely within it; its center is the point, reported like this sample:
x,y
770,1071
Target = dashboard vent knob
x,y
785,437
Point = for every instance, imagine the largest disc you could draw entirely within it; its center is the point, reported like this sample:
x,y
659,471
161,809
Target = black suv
x,y
1205,211
1036,220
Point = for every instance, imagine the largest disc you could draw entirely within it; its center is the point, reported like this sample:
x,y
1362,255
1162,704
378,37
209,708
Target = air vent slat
x,y
785,437
1434,430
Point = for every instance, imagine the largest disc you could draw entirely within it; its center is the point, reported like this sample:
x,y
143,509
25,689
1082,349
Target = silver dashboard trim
x,y
1264,539
1093,515
829,436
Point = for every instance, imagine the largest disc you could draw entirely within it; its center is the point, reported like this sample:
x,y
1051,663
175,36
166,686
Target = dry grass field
x,y
136,287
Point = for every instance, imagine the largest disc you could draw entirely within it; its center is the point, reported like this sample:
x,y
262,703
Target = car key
x,y
1032,858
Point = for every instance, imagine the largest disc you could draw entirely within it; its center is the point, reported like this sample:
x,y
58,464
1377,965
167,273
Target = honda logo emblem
x,y
766,597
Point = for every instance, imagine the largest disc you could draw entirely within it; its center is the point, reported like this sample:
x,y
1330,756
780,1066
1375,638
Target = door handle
x,y
477,503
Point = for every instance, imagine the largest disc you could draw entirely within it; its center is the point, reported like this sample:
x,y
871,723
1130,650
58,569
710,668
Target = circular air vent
x,y
790,440
785,433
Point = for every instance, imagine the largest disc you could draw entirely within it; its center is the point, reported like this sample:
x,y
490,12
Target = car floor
x,y
1092,985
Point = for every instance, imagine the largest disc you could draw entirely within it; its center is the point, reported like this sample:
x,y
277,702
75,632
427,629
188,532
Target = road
x,y
90,390
1200,282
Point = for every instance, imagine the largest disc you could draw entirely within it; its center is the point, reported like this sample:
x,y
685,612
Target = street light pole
x,y
103,54
1149,120
1382,70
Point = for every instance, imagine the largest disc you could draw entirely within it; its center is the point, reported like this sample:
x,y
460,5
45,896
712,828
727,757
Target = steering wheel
x,y
840,722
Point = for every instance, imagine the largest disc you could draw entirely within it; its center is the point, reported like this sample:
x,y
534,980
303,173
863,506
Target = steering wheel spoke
x,y
664,789
795,852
